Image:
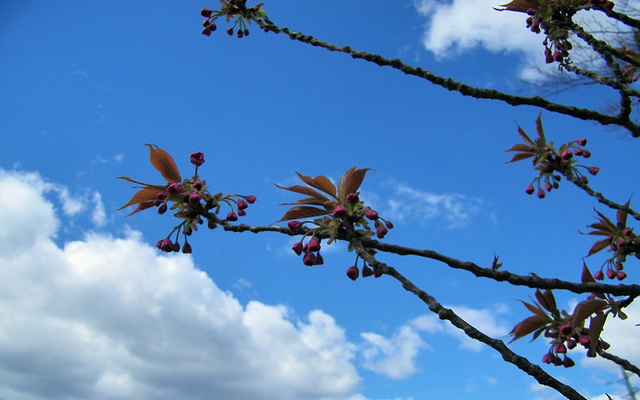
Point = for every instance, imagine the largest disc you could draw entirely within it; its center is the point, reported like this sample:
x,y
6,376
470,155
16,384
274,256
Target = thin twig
x,y
620,361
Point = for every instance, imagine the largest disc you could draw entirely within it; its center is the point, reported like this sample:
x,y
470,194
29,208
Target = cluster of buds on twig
x,y
232,9
552,17
620,240
340,211
567,331
189,197
552,163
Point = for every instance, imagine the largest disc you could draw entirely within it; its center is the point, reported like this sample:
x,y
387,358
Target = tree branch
x,y
450,84
620,361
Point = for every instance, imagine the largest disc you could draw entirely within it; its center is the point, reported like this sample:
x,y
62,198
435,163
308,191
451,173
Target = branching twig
x,y
450,84
620,361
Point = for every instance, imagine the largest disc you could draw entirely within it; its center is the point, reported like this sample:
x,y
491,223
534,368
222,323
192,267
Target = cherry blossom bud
x,y
297,248
230,31
619,267
529,190
566,330
232,216
242,204
566,155
560,348
197,185
584,340
599,275
313,245
611,274
353,198
548,358
541,194
586,153
242,213
353,273
174,188
162,209
620,275
571,344
250,199
205,12
582,142
388,224
548,187
197,158
194,198
627,231
165,245
206,31
381,231
568,363
340,211
309,259
319,260
186,249
366,271
294,226
371,214
593,170
240,34
175,247
577,152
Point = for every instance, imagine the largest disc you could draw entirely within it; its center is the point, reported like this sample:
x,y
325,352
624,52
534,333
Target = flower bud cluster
x,y
552,164
353,272
192,201
231,9
623,243
567,337
311,249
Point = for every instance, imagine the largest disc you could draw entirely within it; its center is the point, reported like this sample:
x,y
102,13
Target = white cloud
x,y
109,318
408,203
457,26
98,215
393,357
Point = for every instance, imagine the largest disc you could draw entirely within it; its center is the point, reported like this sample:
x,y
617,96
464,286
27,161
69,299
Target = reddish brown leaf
x,y
526,138
596,324
304,190
528,325
598,246
547,300
144,198
521,147
539,124
587,276
534,309
621,216
162,161
606,221
302,212
586,308
344,182
307,200
520,156
518,5
350,182
319,182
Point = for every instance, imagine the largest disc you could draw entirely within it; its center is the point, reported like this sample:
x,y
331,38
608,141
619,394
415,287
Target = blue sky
x,y
90,309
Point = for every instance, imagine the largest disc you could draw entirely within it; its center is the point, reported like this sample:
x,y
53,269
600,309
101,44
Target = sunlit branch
x,y
620,361
450,84
625,19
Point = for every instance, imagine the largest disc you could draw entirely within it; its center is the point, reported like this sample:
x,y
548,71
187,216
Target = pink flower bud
x,y
366,271
186,249
309,259
548,187
593,170
206,31
371,214
297,248
548,358
560,348
577,152
294,226
566,330
619,267
599,275
197,185
388,224
174,188
571,344
529,190
242,204
582,142
621,275
240,34
541,194
242,213
319,260
381,231
566,155
584,340
230,31
627,231
313,245
197,158
205,12
611,273
232,216
340,211
568,363
586,153
353,273
353,198
250,199
165,245
162,209
194,198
